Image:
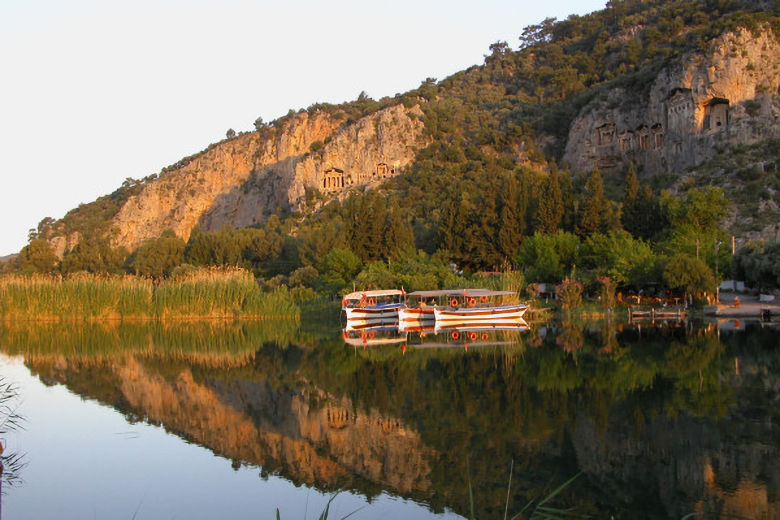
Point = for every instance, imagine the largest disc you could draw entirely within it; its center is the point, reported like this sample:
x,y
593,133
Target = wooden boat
x,y
418,311
478,307
380,304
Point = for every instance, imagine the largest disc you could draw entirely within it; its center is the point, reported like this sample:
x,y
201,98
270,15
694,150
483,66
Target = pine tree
x,y
632,212
594,205
567,196
549,213
511,222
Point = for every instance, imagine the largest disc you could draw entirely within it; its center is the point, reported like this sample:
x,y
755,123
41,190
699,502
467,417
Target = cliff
x,y
243,180
725,96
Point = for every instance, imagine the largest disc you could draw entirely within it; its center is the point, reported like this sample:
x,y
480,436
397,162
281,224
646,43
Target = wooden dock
x,y
656,314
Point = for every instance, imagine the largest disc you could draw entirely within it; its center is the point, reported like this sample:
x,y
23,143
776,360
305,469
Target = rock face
x,y
244,180
728,95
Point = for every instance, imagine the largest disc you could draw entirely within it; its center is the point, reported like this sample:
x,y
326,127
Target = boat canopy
x,y
459,292
372,294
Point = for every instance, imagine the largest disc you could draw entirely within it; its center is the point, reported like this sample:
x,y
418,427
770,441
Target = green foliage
x,y
624,259
339,268
548,258
689,274
94,255
592,218
157,257
549,212
758,264
37,257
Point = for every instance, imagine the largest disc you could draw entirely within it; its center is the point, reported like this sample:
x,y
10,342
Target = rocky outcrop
x,y
728,95
242,181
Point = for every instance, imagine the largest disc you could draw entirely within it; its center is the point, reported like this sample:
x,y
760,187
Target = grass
x,y
201,293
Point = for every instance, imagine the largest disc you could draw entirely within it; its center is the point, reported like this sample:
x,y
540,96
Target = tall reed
x,y
208,292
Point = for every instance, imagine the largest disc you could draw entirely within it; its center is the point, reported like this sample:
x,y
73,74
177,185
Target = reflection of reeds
x,y
212,343
11,463
212,293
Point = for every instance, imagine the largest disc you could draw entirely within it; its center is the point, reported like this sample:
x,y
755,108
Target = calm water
x,y
214,420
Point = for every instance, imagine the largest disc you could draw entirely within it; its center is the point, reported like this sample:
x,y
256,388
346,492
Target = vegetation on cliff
x,y
487,192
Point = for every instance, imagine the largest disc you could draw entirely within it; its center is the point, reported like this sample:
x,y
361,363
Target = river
x,y
237,420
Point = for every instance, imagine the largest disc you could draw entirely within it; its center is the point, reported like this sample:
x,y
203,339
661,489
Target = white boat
x,y
418,311
380,305
478,307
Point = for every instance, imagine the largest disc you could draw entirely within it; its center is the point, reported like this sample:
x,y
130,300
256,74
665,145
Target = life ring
x,y
472,335
371,301
485,336
483,299
371,335
454,302
455,335
472,301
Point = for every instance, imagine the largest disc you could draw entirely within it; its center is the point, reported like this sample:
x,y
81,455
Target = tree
x,y
94,255
548,258
690,274
549,212
511,222
259,124
339,268
38,256
594,205
230,134
621,257
567,200
157,257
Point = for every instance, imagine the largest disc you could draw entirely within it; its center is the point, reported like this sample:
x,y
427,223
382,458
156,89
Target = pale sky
x,y
95,91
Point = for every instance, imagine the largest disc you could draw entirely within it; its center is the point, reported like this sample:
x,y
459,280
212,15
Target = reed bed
x,y
199,293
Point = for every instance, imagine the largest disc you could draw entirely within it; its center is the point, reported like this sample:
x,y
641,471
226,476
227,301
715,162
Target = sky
x,y
95,91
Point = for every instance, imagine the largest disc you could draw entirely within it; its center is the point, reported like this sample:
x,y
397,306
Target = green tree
x,y
94,255
549,211
689,274
38,256
339,268
548,258
594,205
623,258
157,257
511,221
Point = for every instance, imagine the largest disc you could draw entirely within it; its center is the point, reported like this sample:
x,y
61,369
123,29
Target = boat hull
x,y
384,312
415,318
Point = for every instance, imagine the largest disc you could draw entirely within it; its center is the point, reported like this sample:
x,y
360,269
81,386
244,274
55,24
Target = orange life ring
x,y
371,301
472,301
485,336
483,299
472,335
455,334
371,334
454,302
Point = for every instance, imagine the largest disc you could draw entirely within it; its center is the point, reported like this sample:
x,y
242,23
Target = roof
x,y
459,292
372,294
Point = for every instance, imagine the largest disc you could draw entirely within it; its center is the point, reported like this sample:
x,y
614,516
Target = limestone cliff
x,y
727,95
243,180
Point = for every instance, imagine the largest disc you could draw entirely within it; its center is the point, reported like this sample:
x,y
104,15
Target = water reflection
x,y
11,461
659,419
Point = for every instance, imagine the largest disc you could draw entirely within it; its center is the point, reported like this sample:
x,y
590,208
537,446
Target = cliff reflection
x,y
658,419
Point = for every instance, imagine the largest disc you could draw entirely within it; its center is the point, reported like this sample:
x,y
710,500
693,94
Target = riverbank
x,y
749,307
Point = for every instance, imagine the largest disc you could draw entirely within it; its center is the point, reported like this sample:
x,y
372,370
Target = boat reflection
x,y
367,333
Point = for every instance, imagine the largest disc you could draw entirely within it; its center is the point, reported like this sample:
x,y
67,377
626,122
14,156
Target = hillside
x,y
685,92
